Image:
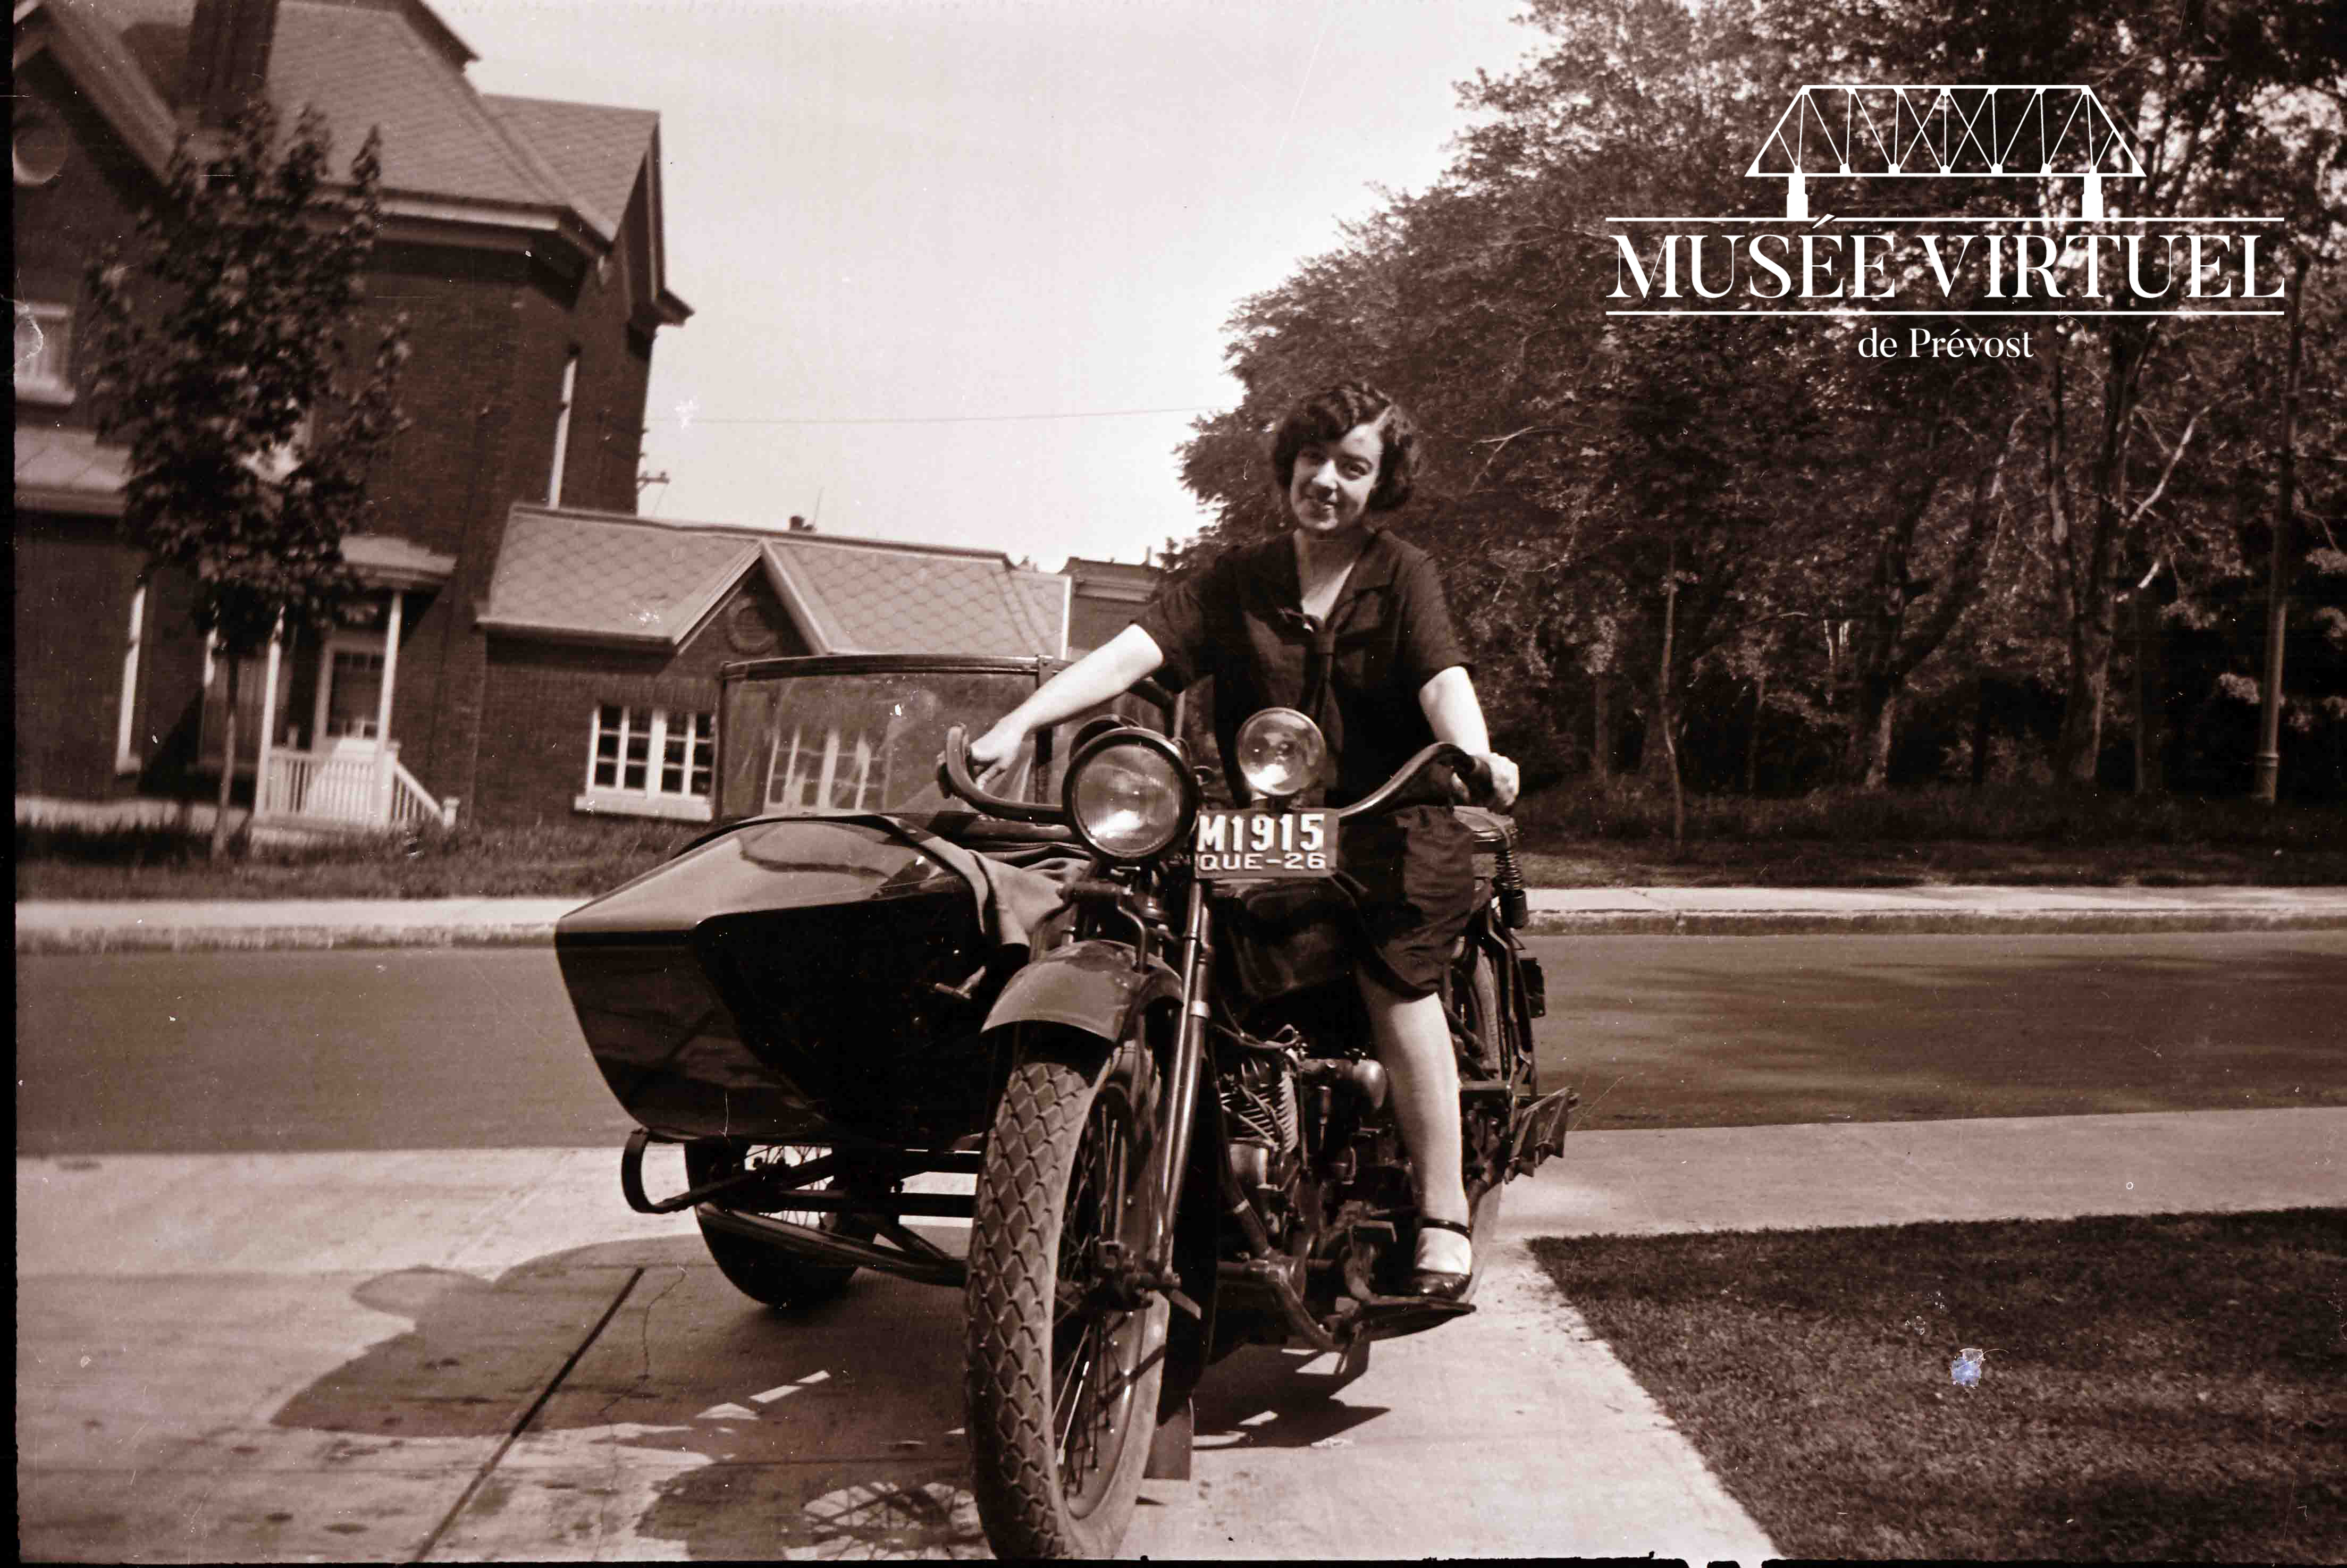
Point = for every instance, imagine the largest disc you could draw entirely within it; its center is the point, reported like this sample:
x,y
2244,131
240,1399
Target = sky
x,y
899,221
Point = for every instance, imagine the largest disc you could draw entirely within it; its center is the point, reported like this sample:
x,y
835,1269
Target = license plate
x,y
1254,844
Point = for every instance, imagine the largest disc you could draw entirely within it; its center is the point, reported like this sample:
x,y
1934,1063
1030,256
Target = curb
x,y
87,940
1927,922
274,938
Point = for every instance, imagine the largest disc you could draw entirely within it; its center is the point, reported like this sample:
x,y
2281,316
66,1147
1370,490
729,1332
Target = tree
x,y
248,456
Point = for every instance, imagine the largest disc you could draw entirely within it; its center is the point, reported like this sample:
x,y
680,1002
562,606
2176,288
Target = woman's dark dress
x,y
1357,677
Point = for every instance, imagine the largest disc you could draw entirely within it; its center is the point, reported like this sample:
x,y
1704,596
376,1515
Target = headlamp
x,y
1281,753
1129,794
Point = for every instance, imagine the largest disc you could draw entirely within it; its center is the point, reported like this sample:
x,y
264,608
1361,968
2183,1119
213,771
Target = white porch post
x,y
261,802
385,753
325,685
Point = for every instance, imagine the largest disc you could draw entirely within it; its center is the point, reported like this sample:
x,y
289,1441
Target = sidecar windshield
x,y
832,743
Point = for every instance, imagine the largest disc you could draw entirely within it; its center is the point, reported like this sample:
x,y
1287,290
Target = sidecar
x,y
797,997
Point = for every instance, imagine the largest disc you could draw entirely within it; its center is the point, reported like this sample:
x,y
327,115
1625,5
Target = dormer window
x,y
562,429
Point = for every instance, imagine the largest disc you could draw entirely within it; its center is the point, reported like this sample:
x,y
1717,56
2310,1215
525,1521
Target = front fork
x,y
1183,1075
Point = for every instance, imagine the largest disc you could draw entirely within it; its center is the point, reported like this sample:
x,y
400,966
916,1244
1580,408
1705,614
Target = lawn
x,y
1574,836
2149,1388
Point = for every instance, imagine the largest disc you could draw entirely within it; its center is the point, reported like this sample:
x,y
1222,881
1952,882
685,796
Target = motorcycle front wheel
x,y
1062,1374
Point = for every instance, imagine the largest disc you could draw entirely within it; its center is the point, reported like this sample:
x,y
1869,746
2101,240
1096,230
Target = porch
x,y
322,755
364,789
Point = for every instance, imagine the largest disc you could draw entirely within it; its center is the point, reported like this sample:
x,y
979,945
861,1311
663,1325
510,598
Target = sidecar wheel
x,y
1062,1381
767,1274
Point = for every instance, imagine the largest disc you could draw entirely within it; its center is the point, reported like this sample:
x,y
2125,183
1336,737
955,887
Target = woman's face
x,y
1328,488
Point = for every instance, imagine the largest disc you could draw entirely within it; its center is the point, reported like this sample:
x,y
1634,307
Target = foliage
x,y
64,860
1845,546
253,270
219,350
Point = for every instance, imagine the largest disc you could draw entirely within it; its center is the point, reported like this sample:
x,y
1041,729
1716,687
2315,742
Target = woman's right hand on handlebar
x,y
992,754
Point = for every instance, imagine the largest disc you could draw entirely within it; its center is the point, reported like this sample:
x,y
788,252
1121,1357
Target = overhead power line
x,y
949,418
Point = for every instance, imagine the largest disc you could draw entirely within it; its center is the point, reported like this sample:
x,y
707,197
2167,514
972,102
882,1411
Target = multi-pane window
x,y
655,752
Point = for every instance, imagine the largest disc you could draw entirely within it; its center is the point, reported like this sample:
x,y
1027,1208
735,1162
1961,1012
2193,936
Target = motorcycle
x,y
1125,1010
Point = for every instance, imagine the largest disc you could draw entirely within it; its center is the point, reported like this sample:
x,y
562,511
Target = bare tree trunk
x,y
1663,691
2147,779
1871,727
2081,743
228,762
2266,786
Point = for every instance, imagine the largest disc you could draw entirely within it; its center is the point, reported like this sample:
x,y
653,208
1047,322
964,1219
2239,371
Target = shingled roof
x,y
392,64
602,577
595,149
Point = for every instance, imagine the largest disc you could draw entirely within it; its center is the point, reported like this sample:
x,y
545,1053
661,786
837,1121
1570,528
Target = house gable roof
x,y
450,154
596,150
605,578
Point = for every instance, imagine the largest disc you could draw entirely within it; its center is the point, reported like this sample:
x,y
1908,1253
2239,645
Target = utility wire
x,y
953,418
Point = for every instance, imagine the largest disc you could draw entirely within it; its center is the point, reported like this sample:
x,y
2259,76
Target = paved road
x,y
476,1048
319,1256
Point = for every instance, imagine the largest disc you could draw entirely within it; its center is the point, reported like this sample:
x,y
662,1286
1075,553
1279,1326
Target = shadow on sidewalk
x,y
682,1413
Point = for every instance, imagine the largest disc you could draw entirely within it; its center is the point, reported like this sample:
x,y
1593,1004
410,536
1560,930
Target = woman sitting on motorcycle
x,y
1341,620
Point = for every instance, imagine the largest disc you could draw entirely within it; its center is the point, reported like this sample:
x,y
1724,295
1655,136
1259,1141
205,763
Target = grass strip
x,y
2165,1387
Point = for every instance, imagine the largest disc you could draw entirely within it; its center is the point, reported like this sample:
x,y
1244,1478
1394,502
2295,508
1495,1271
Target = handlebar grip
x,y
953,777
1476,774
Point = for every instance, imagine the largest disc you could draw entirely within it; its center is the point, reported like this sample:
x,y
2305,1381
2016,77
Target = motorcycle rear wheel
x,y
1062,1381
769,1275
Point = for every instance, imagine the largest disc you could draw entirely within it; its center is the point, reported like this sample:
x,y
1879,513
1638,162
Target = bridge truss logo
x,y
1909,132
2074,255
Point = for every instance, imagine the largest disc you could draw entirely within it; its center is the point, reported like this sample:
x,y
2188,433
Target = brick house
x,y
527,648
604,634
523,239
1105,596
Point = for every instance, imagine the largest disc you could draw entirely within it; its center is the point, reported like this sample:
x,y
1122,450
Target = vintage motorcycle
x,y
1126,1011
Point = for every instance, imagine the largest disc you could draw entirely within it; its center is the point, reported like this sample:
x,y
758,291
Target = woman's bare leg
x,y
1413,1043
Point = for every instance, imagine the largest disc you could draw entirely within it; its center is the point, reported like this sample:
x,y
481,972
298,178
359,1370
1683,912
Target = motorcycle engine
x,y
1259,1096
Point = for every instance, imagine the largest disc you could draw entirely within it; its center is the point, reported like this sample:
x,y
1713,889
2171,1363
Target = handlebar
x,y
1472,770
953,777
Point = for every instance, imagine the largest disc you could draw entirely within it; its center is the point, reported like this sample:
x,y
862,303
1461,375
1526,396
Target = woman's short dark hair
x,y
1325,416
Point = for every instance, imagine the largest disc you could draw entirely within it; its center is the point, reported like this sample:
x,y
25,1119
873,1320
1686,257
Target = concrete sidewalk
x,y
64,926
482,1354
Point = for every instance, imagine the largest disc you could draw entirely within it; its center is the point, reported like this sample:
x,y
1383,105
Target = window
x,y
125,719
354,695
650,761
44,350
562,429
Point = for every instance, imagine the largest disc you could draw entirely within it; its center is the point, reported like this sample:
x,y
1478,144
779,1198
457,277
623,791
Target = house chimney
x,y
228,58
801,526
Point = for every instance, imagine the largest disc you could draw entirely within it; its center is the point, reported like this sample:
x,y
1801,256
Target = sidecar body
x,y
815,969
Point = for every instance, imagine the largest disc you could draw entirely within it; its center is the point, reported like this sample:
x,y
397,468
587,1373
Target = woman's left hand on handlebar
x,y
1505,782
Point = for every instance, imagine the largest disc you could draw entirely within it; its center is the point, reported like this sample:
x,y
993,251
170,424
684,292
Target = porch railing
x,y
366,789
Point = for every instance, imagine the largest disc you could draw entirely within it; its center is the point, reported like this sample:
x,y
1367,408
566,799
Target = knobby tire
x,y
1050,1112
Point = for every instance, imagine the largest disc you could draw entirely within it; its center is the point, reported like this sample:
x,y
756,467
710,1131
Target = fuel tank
x,y
787,981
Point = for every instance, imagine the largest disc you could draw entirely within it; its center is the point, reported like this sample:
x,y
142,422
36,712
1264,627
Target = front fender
x,y
1088,986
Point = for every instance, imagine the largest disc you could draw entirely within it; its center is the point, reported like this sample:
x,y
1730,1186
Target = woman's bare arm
x,y
1451,708
1112,668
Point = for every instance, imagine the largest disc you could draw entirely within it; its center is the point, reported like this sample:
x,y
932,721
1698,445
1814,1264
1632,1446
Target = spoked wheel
x,y
764,1272
1063,1372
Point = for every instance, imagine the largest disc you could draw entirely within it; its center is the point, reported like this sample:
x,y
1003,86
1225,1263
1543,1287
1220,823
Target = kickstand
x,y
1169,1450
